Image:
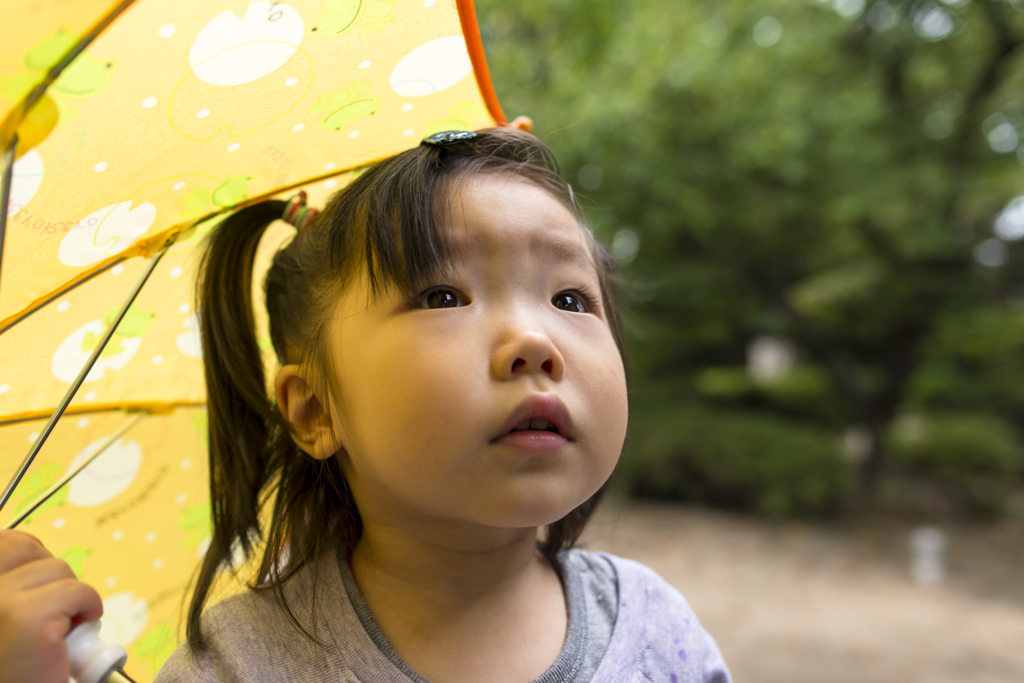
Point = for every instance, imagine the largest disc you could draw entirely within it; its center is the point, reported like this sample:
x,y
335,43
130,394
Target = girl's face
x,y
430,389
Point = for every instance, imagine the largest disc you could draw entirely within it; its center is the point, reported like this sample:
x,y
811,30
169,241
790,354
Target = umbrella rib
x,y
119,676
5,197
58,294
71,475
62,406
152,407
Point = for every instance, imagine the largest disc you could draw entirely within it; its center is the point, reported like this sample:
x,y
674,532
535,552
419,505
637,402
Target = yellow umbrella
x,y
129,127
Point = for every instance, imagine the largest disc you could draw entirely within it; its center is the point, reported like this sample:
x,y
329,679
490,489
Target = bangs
x,y
394,219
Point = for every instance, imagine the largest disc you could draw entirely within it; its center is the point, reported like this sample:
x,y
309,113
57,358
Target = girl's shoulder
x,y
231,618
252,637
657,636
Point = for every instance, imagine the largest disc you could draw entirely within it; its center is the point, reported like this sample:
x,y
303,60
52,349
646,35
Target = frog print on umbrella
x,y
105,232
200,200
76,556
134,324
345,106
156,647
36,484
197,525
106,477
350,113
377,15
73,352
460,116
337,17
84,77
231,191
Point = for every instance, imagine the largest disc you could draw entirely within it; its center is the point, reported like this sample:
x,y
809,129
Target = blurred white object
x,y
1003,138
91,659
848,8
625,245
590,176
933,23
1010,222
769,358
991,253
767,31
927,555
857,444
912,428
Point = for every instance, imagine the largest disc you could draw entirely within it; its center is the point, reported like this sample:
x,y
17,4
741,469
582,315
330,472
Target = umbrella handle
x,y
92,660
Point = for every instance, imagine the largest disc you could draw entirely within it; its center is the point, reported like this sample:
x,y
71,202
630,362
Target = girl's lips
x,y
533,441
546,406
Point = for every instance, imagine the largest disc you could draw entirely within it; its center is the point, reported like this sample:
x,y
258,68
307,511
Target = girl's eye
x,y
567,301
441,298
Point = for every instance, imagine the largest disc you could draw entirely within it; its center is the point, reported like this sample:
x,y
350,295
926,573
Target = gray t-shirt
x,y
655,636
591,596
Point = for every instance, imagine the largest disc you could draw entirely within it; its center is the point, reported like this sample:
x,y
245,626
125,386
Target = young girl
x,y
451,381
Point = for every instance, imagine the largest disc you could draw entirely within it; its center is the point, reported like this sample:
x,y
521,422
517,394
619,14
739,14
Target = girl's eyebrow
x,y
564,251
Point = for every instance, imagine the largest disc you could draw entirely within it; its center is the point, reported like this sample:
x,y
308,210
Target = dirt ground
x,y
791,603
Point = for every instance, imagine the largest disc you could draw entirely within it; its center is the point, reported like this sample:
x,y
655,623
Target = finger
x,y
66,599
36,573
18,548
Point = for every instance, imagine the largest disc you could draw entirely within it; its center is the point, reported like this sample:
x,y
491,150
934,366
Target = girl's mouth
x,y
539,425
535,424
538,441
540,418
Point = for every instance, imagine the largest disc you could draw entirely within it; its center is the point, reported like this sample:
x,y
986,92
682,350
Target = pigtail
x,y
251,451
241,417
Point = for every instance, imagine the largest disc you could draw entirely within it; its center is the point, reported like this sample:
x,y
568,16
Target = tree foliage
x,y
824,174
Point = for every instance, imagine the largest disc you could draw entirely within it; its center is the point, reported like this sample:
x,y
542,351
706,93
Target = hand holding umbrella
x,y
42,599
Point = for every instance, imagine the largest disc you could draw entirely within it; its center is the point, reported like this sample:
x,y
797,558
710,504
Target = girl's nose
x,y
527,353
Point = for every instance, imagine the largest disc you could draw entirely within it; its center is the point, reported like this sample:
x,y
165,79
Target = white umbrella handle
x,y
92,660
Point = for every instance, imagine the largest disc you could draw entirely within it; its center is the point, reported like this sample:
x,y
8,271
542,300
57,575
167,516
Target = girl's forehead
x,y
504,215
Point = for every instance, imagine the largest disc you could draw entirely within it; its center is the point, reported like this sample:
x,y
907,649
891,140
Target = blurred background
x,y
818,207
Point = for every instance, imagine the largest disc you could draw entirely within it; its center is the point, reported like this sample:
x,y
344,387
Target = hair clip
x,y
448,137
297,213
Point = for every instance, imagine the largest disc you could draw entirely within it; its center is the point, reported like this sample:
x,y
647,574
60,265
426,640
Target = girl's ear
x,y
310,418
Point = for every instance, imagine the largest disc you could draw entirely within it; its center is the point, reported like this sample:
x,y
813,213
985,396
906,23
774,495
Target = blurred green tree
x,y
803,197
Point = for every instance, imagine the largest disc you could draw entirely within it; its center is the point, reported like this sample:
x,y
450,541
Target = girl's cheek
x,y
424,386
610,396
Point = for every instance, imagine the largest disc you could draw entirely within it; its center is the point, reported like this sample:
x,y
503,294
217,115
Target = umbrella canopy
x,y
179,110
135,126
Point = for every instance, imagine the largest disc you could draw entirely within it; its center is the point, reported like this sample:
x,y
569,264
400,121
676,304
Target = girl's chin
x,y
537,513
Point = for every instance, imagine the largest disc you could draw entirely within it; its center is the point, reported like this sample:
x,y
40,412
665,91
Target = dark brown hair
x,y
390,222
